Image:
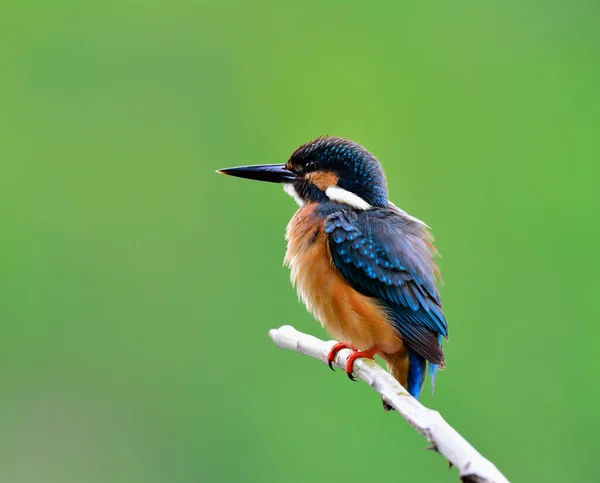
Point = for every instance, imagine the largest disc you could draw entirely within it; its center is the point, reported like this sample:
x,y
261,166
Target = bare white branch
x,y
472,466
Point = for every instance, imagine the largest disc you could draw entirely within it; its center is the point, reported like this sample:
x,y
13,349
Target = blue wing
x,y
388,255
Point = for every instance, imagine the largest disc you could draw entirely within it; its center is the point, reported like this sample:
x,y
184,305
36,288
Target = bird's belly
x,y
345,313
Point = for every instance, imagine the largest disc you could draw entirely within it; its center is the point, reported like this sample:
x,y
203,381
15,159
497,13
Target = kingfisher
x,y
362,266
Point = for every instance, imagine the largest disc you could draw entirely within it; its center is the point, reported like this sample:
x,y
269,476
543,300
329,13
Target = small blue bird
x,y
363,267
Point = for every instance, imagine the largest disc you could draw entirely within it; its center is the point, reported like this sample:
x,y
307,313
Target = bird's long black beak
x,y
272,173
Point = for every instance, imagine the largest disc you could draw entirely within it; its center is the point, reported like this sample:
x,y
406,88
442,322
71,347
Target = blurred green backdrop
x,y
137,286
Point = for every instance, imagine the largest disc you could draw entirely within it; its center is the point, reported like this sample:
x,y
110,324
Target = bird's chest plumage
x,y
345,313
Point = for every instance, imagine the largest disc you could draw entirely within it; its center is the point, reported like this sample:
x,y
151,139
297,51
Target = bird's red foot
x,y
335,349
370,354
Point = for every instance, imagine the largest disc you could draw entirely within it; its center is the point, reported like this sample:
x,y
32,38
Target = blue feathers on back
x,y
386,255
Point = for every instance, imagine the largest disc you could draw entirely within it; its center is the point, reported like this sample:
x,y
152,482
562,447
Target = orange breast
x,y
345,313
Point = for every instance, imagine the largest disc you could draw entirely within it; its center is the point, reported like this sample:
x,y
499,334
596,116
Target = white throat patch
x,y
335,193
290,190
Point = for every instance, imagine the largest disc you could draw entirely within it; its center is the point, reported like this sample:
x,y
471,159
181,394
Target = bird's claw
x,y
356,354
335,349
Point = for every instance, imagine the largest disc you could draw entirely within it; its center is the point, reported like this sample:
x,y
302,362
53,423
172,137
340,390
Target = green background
x,y
137,286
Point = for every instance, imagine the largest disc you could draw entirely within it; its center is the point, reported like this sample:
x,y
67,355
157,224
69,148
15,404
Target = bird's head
x,y
325,169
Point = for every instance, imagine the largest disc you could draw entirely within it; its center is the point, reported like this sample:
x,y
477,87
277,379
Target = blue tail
x,y
416,373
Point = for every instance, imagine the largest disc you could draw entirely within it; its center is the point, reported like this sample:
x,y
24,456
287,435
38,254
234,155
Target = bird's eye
x,y
310,166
